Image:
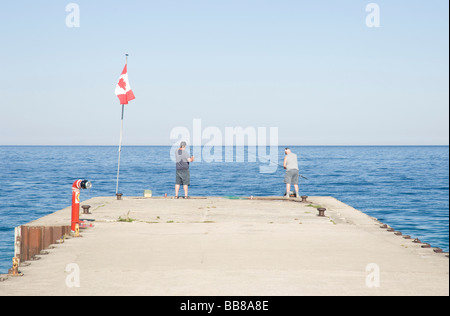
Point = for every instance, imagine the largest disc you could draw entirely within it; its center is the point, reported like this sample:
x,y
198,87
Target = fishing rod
x,y
276,163
256,157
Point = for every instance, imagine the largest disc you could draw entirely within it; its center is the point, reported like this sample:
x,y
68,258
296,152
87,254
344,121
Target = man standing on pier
x,y
183,176
292,172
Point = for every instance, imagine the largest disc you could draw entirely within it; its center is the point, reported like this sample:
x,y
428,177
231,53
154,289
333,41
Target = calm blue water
x,y
405,187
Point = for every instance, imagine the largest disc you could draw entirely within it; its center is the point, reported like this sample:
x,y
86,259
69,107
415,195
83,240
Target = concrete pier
x,y
229,247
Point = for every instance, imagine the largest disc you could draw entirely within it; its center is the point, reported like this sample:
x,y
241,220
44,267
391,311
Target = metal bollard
x,y
119,196
304,197
86,209
321,211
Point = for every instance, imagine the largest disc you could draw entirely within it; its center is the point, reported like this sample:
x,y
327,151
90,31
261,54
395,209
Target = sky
x,y
313,69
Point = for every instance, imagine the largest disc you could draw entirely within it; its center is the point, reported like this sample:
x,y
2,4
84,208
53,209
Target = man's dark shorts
x,y
183,177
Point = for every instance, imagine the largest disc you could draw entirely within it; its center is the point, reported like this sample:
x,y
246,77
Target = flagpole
x,y
120,149
121,136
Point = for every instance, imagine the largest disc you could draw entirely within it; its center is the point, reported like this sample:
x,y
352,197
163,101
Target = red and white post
x,y
77,185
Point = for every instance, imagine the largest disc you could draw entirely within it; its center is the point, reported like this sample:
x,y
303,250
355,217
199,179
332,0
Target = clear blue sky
x,y
311,68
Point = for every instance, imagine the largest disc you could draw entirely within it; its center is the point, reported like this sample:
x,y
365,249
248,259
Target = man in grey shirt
x,y
292,172
183,176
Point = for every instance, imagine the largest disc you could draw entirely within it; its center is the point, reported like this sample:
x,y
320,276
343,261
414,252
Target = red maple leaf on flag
x,y
123,89
122,84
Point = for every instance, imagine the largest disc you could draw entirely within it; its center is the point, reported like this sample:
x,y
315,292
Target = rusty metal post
x,y
24,244
35,241
14,271
304,197
76,233
119,196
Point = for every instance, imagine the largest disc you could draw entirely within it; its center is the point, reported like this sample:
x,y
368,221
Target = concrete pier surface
x,y
229,247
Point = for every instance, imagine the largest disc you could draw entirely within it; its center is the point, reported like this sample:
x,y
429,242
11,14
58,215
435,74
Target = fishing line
x,y
271,163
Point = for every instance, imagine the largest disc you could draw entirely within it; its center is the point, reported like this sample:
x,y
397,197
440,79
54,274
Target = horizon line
x,y
284,145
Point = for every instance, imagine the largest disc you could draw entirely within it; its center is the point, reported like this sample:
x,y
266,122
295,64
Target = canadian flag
x,y
123,89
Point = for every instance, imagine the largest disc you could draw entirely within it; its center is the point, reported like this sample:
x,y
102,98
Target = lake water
x,y
405,187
